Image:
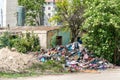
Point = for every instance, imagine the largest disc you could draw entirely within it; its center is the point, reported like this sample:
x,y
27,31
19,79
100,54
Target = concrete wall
x,y
46,37
65,37
2,12
11,12
50,36
42,37
9,9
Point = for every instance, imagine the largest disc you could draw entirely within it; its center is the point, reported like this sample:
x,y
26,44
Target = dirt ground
x,y
13,61
113,74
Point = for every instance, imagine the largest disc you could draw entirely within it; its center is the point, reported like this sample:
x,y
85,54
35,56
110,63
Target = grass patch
x,y
46,68
15,75
49,66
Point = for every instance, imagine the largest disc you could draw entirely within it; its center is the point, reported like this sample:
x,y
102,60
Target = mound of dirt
x,y
12,61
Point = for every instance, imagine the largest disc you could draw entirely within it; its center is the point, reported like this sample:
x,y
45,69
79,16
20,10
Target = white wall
x,y
11,12
2,11
9,8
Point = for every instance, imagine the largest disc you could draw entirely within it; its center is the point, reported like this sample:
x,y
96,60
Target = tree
x,y
69,13
102,21
34,11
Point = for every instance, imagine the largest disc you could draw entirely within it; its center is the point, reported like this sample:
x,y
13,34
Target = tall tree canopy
x,y
69,13
102,21
34,11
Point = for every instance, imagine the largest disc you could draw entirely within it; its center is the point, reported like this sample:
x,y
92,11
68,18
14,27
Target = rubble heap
x,y
76,57
12,61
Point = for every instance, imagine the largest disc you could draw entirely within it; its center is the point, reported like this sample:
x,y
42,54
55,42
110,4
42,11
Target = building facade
x,y
8,13
48,36
49,12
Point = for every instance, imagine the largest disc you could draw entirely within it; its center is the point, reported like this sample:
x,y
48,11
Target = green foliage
x,y
15,75
28,42
51,65
4,40
53,40
70,14
7,39
34,11
102,22
24,43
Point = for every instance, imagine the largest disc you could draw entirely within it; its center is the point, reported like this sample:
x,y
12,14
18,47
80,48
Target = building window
x,y
44,8
58,40
49,14
55,8
49,8
54,3
48,2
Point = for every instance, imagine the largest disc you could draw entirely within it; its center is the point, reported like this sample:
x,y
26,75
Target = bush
x,y
28,42
102,23
4,40
52,66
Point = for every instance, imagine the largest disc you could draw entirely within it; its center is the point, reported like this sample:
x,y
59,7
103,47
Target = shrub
x,y
28,42
51,65
4,40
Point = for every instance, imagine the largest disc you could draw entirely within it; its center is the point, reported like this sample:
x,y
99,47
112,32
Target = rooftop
x,y
41,28
31,28
52,0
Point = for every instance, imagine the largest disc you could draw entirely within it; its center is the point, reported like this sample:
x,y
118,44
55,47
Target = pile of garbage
x,y
76,57
12,61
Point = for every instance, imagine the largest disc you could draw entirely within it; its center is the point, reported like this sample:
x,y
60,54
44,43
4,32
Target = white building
x,y
49,11
8,12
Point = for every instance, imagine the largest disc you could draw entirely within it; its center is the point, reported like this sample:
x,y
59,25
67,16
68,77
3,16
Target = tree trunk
x,y
73,35
115,49
115,56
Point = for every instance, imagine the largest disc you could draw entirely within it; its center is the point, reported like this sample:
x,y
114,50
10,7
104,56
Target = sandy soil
x,y
103,75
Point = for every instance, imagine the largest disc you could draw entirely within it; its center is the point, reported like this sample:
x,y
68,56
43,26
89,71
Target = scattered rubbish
x,y
76,57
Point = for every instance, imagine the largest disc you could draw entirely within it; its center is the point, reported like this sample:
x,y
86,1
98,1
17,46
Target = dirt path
x,y
104,75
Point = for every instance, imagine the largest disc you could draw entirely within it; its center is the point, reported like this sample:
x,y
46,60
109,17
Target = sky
x,y
1,3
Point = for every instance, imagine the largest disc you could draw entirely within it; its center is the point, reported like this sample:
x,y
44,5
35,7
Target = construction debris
x,y
76,57
12,61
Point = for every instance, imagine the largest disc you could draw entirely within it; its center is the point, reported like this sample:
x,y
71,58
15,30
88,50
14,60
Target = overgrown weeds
x,y
46,68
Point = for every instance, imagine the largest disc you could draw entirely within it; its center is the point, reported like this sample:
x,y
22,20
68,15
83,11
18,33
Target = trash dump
x,y
12,61
76,57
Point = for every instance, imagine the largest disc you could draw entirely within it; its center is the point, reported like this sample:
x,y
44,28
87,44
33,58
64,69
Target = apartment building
x,y
8,13
49,12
